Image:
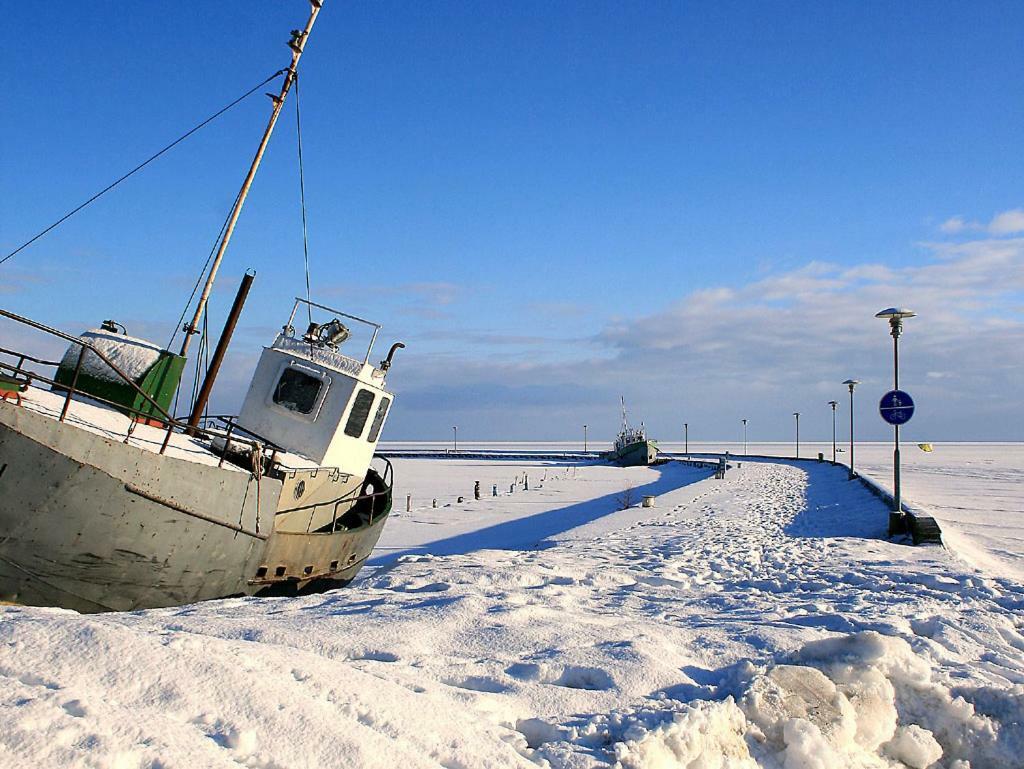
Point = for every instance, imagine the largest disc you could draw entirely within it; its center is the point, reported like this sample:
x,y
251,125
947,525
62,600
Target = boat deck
x,y
94,417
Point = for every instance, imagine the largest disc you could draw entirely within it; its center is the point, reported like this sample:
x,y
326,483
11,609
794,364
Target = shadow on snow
x,y
529,533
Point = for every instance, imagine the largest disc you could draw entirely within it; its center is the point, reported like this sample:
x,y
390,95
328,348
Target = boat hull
x,y
634,454
92,524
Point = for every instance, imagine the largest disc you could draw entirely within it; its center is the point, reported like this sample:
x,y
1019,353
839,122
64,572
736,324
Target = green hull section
x,y
160,382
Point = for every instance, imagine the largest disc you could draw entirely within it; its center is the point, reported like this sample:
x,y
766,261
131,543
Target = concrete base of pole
x,y
897,523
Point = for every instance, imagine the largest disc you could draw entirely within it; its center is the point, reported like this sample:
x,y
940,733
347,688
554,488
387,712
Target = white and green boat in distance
x,y
632,446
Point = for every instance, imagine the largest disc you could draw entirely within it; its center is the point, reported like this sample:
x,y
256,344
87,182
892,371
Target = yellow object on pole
x,y
925,446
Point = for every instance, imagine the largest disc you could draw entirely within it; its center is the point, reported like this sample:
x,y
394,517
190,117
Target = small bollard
x,y
648,501
526,482
821,457
461,499
476,490
408,502
494,490
434,503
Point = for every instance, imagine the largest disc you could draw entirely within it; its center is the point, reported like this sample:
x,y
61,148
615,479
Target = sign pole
x,y
896,428
896,408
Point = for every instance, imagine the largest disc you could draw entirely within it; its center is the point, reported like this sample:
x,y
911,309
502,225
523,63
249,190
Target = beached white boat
x,y
107,502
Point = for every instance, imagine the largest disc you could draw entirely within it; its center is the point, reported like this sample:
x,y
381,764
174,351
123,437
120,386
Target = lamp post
x,y
686,438
584,438
455,439
851,383
833,404
797,415
744,437
895,316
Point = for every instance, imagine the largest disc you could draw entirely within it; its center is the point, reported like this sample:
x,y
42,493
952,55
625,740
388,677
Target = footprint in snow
x,y
375,656
430,587
478,684
570,676
74,708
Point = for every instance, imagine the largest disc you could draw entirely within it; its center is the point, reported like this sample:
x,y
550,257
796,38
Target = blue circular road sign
x,y
896,407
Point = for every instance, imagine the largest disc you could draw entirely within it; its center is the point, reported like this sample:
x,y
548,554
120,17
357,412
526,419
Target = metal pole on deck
x,y
222,347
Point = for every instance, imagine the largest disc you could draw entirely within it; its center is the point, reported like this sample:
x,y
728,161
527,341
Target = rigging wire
x,y
302,197
199,279
142,165
202,352
206,361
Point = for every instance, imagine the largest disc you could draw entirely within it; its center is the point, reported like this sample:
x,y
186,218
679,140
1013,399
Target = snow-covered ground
x,y
757,620
974,490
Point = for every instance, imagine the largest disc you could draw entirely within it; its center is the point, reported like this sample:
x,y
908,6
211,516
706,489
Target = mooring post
x,y
526,482
494,490
408,503
476,489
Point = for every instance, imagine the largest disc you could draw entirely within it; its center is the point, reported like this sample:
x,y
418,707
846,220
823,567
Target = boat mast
x,y
297,44
622,399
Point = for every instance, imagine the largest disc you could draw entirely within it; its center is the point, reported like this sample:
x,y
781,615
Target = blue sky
x,y
697,205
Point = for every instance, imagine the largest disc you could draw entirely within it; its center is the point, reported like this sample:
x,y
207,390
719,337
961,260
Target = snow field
x,y
750,622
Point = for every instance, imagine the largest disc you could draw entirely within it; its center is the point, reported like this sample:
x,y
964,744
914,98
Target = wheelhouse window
x,y
360,413
297,391
378,419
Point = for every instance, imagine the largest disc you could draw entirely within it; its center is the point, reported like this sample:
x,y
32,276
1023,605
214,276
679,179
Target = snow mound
x,y
862,700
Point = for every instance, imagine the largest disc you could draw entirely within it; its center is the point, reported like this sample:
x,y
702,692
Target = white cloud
x,y
954,225
1007,222
1003,223
774,345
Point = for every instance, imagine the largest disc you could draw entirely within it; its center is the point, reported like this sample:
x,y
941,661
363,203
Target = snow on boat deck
x,y
103,420
751,621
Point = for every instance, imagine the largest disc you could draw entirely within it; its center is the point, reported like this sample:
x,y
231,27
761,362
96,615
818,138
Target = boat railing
x,y
350,498
265,449
369,323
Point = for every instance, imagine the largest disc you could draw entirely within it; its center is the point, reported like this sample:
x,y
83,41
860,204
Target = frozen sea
x,y
761,620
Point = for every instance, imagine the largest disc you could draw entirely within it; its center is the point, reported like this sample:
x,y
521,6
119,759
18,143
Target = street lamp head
x,y
833,404
895,312
895,316
796,413
851,383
